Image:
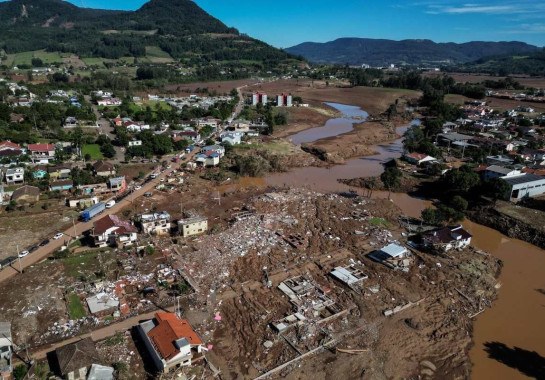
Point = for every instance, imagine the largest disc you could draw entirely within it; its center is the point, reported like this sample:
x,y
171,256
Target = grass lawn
x,y
75,265
378,222
93,150
75,307
157,55
25,58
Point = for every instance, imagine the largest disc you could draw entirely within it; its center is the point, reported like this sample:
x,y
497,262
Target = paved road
x,y
80,227
105,128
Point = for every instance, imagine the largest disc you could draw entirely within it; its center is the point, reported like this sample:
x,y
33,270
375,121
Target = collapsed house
x,y
310,302
393,255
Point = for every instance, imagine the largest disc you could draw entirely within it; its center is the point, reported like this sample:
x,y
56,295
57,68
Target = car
x,y
23,253
110,204
137,187
44,242
33,248
169,166
148,194
58,235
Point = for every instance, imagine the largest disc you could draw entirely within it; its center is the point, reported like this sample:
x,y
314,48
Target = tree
x,y
459,203
461,180
497,188
432,216
391,178
107,150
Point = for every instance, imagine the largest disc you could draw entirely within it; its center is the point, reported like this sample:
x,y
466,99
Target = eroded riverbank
x,y
508,339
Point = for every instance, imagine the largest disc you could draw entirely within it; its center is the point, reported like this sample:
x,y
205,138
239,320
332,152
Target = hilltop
x,y
177,28
379,52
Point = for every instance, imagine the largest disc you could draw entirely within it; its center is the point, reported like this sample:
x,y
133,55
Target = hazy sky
x,y
284,23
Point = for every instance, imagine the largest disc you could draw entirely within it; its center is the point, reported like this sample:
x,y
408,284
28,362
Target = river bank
x,y
507,337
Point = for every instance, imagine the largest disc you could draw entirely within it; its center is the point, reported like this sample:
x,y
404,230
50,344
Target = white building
x,y
157,223
525,186
170,341
15,176
192,226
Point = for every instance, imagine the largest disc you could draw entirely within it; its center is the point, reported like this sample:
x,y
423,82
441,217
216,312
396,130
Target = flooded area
x,y
333,127
509,338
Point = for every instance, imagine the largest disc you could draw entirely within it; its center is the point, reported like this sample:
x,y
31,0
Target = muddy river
x,y
510,337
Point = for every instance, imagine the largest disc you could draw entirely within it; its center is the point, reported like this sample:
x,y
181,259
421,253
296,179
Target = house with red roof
x,y
418,158
170,341
41,153
110,230
10,149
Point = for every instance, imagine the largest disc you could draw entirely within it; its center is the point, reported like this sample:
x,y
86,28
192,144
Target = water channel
x,y
513,327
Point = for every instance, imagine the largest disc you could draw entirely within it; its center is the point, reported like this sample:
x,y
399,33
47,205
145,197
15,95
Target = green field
x,y
93,150
156,55
75,307
25,58
97,61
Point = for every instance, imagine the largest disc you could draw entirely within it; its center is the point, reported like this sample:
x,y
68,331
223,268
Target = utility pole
x,y
19,259
75,232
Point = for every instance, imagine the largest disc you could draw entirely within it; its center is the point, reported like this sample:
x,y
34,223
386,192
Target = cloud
x,y
522,7
536,28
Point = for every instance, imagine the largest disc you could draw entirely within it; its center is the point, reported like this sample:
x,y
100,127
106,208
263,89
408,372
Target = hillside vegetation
x,y
378,52
175,28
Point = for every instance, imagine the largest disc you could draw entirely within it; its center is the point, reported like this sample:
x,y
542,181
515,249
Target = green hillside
x,y
161,30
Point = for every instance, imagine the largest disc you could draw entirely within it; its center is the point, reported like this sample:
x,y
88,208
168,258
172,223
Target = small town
x,y
180,200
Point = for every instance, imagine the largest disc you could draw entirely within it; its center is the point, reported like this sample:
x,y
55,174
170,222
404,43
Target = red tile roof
x,y
417,156
169,329
41,147
9,144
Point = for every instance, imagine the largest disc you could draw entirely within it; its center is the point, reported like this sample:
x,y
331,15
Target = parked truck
x,y
92,211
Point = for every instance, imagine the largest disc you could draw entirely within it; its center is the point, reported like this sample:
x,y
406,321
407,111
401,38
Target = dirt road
x,y
97,335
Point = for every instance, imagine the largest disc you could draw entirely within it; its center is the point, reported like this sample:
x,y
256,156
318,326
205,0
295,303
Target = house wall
x,y
153,355
194,228
525,190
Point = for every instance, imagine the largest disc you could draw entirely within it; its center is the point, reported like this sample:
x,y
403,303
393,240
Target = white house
x,y
170,341
15,176
157,223
231,138
110,230
447,238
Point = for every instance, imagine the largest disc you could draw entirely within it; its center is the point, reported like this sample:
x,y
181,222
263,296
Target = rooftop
x,y
524,178
77,355
109,221
168,331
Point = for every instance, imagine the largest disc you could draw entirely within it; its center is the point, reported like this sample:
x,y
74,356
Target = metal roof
x,y
524,178
394,250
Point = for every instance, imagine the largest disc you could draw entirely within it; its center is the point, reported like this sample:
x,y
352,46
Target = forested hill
x,y
380,52
528,64
179,27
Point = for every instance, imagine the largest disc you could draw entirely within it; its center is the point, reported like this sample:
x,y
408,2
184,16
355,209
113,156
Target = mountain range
x,y
381,52
178,27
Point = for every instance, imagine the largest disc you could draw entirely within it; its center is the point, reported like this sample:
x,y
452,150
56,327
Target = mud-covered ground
x,y
430,338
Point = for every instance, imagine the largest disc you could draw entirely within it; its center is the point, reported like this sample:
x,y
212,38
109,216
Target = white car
x,y
58,236
110,204
137,187
23,253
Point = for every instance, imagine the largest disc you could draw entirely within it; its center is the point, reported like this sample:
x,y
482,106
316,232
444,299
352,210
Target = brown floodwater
x,y
333,127
509,338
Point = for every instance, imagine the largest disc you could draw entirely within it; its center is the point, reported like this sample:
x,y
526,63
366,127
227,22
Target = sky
x,y
284,23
